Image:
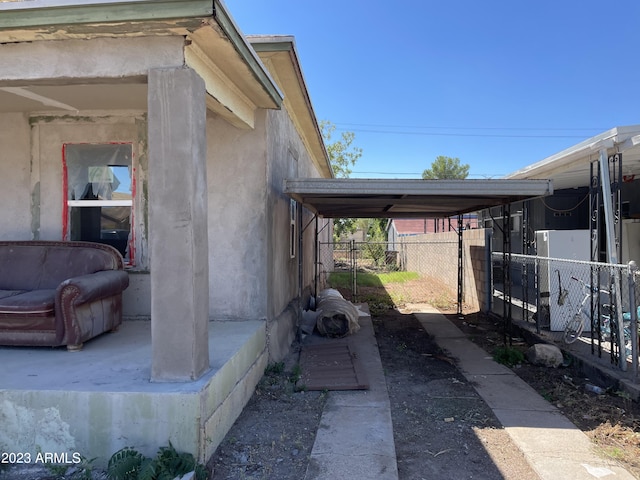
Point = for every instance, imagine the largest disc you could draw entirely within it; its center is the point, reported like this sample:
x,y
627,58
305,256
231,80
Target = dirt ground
x,y
442,428
611,420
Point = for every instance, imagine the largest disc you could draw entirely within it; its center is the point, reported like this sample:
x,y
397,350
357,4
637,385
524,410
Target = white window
x,y
99,195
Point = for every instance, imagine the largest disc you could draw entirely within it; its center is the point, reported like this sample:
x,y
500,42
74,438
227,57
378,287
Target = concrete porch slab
x,y
96,401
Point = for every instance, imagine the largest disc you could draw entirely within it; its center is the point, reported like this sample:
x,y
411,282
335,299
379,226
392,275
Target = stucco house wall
x,y
15,194
212,141
236,170
252,275
288,158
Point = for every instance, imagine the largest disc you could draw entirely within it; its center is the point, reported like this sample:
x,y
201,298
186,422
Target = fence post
x,y
506,272
536,280
460,266
616,283
631,275
354,268
488,274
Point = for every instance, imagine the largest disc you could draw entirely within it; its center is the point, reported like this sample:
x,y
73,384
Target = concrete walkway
x,y
554,447
355,438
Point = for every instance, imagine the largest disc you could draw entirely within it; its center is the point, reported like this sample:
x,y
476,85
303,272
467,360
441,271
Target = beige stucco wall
x,y
15,194
236,173
286,294
252,275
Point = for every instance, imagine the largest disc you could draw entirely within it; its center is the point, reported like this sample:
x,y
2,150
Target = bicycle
x,y
575,325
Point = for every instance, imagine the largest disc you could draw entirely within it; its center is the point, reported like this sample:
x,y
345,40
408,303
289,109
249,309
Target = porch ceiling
x,y
74,98
236,81
381,198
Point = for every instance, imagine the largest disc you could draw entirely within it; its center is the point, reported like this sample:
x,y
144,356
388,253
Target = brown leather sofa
x,y
59,293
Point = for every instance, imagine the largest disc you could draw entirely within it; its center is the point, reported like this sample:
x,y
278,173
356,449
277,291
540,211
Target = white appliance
x,y
631,240
559,295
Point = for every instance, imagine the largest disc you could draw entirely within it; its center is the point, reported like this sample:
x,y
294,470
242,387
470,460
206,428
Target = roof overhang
x,y
236,81
570,168
279,54
381,198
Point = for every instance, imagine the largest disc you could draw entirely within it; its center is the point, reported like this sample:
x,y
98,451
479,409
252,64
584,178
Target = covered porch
x,y
106,389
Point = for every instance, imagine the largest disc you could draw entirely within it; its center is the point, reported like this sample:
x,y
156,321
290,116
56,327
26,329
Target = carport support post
x,y
460,265
178,239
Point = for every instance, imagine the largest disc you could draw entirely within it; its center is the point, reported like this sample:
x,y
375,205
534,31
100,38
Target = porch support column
x,y
178,241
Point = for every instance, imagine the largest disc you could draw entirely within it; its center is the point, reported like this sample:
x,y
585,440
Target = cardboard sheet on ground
x,y
331,365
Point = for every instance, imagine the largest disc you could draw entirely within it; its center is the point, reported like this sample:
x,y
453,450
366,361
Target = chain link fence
x,y
410,272
578,305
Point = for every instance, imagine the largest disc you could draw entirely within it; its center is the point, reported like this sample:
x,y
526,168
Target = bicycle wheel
x,y
573,329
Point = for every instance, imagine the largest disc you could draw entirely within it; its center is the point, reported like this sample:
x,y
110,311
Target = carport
x,y
400,198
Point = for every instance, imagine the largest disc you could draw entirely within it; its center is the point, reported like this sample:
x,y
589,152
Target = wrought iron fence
x,y
574,303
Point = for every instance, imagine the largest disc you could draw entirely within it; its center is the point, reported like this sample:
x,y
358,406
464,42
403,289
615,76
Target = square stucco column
x,y
179,262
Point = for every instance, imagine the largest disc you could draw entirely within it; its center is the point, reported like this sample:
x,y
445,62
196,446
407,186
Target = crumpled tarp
x,y
337,317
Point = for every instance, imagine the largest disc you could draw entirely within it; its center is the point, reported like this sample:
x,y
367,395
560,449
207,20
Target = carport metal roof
x,y
398,198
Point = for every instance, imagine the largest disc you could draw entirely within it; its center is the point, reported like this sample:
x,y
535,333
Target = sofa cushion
x,y
10,293
25,323
36,302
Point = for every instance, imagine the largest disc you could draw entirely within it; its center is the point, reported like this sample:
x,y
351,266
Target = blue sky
x,y
499,84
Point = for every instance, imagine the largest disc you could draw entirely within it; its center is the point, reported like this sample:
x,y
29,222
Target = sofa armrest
x,y
87,288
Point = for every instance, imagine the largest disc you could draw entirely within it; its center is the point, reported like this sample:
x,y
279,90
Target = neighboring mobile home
x,y
185,129
582,191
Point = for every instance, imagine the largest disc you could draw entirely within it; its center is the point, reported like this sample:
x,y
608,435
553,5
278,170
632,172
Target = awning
x,y
570,168
401,198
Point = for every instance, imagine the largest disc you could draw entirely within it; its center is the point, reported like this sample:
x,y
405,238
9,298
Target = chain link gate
x,y
413,272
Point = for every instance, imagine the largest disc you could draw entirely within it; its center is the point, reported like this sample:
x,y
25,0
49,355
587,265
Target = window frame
x,y
68,204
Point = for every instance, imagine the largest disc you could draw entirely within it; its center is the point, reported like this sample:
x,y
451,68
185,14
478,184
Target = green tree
x,y
376,236
342,156
446,168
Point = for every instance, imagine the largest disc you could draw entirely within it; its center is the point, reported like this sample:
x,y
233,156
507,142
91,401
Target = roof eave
x,y
577,153
297,96
247,53
80,19
21,15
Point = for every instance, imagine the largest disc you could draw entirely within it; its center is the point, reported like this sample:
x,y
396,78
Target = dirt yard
x,y
442,428
610,420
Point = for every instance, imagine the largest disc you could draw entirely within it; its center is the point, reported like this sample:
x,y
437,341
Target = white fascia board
x,y
577,153
231,100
